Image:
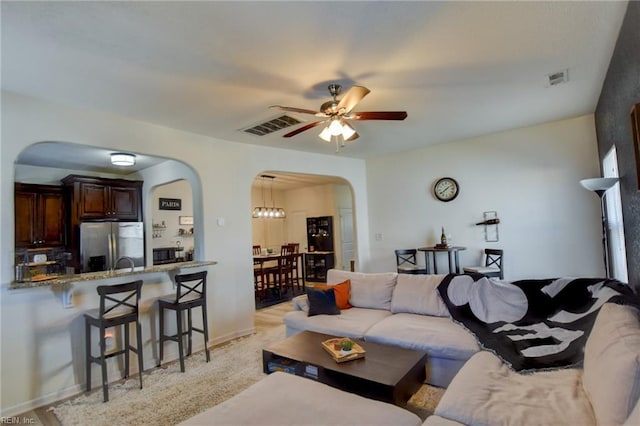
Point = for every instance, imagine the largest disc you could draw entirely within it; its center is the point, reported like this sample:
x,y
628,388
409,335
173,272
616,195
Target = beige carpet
x,y
169,396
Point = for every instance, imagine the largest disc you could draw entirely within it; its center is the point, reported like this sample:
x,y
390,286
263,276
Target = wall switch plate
x,y
378,236
220,221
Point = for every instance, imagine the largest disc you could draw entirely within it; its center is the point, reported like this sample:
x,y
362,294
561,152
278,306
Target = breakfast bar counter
x,y
63,280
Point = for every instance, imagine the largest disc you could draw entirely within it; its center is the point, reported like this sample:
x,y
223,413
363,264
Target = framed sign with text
x,y
170,204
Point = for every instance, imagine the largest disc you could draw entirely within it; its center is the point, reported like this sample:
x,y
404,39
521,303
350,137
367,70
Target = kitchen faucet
x,y
113,267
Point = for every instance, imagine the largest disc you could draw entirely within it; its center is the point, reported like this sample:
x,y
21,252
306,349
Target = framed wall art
x,y
635,132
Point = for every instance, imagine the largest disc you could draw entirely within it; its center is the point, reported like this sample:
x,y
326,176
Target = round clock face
x,y
446,189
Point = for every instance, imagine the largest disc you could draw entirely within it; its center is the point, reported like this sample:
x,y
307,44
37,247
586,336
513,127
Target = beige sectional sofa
x,y
605,392
396,309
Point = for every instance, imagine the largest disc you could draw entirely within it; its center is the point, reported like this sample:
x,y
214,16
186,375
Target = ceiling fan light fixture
x,y
335,127
123,159
347,130
325,135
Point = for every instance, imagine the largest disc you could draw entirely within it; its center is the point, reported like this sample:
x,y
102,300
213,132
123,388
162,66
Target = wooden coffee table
x,y
386,373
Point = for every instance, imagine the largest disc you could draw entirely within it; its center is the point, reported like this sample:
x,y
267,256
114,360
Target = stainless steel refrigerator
x,y
102,243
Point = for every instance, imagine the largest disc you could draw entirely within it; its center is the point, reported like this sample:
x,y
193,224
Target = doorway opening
x,y
318,220
172,225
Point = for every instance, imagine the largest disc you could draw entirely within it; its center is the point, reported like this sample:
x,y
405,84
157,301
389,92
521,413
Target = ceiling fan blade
x,y
299,110
351,98
303,128
379,115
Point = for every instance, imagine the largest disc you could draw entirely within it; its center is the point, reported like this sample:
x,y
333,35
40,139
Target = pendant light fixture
x,y
264,211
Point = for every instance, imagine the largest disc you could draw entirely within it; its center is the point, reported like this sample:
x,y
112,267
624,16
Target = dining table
x,y
452,252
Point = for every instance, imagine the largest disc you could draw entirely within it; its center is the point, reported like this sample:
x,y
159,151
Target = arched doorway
x,y
304,198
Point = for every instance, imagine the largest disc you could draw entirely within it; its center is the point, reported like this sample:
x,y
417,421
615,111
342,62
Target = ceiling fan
x,y
335,114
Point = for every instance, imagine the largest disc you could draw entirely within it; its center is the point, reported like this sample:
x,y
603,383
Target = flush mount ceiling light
x,y
123,159
265,212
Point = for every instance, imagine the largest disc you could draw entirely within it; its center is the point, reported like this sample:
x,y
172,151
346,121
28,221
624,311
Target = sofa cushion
x,y
367,290
300,303
322,302
418,294
634,417
434,420
352,322
284,399
342,290
438,336
485,391
612,363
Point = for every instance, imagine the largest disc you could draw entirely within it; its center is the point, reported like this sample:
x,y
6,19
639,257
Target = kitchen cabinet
x,y
91,199
39,216
104,199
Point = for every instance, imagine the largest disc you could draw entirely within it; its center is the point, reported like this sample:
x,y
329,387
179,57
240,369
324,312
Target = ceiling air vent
x,y
273,125
557,78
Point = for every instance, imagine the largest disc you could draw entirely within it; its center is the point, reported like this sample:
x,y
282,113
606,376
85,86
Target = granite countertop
x,y
93,276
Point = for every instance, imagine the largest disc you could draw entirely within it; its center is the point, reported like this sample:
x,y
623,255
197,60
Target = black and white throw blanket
x,y
530,324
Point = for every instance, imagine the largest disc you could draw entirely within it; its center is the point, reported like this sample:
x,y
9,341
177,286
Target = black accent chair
x,y
407,263
118,306
191,293
493,266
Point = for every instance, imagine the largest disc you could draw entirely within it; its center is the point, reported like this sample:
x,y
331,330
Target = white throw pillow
x,y
418,294
372,290
611,375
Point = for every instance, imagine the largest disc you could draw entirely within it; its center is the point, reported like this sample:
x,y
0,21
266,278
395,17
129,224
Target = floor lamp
x,y
600,186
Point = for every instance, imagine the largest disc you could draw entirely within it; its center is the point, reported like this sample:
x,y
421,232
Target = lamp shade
x,y
123,159
599,185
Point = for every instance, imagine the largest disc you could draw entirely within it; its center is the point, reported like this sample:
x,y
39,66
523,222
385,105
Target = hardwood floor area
x,y
264,319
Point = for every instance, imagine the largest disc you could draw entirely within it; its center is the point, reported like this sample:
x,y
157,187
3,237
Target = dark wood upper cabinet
x,y
39,216
104,199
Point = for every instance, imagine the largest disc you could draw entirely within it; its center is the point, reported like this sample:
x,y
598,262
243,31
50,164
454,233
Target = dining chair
x,y
493,265
259,274
118,307
281,275
295,278
407,263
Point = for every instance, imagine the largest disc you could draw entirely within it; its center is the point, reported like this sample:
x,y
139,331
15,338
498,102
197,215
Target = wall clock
x,y
446,189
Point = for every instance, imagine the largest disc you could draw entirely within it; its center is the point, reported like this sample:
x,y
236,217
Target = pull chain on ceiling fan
x,y
337,129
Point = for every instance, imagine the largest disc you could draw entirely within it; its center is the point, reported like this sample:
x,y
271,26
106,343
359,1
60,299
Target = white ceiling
x,y
459,69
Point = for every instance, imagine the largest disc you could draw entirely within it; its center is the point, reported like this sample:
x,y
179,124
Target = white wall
x,y
41,344
550,225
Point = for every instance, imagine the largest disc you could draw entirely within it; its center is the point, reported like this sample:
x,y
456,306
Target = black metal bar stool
x,y
118,306
191,292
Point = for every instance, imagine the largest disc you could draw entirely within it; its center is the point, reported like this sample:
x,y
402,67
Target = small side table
x,y
452,252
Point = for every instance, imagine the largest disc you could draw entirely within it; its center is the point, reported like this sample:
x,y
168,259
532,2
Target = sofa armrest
x,y
300,303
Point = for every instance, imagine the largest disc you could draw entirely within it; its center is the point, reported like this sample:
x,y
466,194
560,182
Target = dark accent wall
x,y
620,91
